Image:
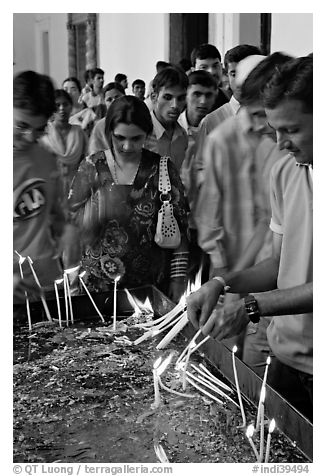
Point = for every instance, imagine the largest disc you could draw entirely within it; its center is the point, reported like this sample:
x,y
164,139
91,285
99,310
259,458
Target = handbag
x,y
167,229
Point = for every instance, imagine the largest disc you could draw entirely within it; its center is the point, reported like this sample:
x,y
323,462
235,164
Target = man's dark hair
x,y
240,52
119,77
170,77
161,65
61,93
204,51
96,71
138,82
185,64
293,80
251,90
34,92
113,85
88,75
204,78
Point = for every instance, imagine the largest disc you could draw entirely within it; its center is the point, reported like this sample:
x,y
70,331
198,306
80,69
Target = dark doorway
x,y
187,30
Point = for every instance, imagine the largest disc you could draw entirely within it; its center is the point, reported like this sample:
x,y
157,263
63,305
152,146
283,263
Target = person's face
x,y
124,83
231,76
200,100
98,81
111,96
212,65
127,140
139,91
63,110
72,89
259,124
169,104
294,129
27,128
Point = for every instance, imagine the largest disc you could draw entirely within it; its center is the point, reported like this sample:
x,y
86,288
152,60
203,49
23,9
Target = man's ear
x,y
154,97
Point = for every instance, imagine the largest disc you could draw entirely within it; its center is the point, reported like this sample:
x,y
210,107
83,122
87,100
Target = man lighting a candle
x,y
282,284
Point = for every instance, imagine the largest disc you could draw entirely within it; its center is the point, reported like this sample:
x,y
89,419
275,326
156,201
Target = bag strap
x,y
164,184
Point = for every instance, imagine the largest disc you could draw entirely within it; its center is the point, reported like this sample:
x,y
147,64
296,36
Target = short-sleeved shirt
x,y
37,212
290,337
159,142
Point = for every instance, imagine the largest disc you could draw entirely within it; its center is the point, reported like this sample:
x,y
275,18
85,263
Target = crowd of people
x,y
211,170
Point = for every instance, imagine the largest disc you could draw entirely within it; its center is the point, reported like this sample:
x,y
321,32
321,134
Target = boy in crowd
x,y
282,284
97,140
122,79
199,102
208,58
39,229
169,100
95,97
138,88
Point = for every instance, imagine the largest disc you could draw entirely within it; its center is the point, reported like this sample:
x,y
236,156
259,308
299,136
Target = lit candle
x,y
269,436
56,282
262,427
46,309
66,272
157,396
238,387
115,303
249,434
89,295
20,262
268,361
261,400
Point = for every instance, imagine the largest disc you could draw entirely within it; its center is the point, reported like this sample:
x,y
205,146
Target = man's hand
x,y
201,303
227,321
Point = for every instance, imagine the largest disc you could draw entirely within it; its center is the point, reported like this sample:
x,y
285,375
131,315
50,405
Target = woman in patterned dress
x,y
114,199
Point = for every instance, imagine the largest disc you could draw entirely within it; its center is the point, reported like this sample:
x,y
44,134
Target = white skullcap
x,y
245,66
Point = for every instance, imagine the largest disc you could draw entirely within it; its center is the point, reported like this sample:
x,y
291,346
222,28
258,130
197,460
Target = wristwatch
x,y
252,309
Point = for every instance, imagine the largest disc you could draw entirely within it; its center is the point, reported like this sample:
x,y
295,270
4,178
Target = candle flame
x,y
234,349
82,274
58,281
30,259
117,278
21,258
71,270
250,431
271,426
138,306
263,394
157,363
268,360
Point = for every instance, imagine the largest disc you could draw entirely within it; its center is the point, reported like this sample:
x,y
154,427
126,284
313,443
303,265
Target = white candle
x,y
20,262
56,282
268,361
269,436
66,297
238,387
157,396
46,309
262,427
115,303
261,400
249,434
90,297
184,376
